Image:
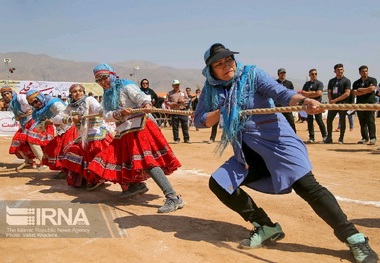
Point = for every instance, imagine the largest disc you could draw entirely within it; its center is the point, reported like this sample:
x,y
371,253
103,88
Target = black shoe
x,y
362,141
134,189
328,140
60,175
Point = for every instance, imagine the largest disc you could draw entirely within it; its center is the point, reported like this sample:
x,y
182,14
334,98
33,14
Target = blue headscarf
x,y
44,113
241,84
111,96
15,107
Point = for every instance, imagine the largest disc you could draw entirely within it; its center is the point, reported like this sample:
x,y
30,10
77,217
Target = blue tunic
x,y
269,135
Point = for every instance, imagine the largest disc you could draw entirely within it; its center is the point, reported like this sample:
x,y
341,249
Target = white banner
x,y
8,125
46,87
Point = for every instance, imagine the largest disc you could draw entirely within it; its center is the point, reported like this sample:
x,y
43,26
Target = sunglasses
x,y
314,73
101,78
35,101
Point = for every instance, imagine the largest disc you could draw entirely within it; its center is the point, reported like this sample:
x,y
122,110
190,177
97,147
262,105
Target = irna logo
x,y
46,216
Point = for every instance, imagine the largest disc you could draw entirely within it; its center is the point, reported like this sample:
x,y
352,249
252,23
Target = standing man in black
x,y
364,89
339,89
281,73
191,98
313,89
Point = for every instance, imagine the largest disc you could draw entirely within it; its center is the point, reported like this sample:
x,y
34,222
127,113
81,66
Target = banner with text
x,y
46,87
8,125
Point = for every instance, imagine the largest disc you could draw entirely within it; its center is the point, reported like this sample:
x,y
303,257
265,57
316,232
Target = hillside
x,y
45,68
42,67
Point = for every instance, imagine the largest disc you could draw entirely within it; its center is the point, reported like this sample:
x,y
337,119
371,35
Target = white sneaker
x,y
43,167
372,142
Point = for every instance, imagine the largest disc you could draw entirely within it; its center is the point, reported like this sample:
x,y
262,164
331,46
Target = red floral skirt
x,y
54,151
128,157
77,159
22,138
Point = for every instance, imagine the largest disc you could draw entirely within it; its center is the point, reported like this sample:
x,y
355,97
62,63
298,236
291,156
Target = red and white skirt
x,y
76,160
22,138
54,151
129,156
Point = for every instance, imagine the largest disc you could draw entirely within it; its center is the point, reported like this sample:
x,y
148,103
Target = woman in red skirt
x,y
46,111
93,137
139,149
27,142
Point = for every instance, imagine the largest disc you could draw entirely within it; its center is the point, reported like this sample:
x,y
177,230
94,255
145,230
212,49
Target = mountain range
x,y
41,67
45,68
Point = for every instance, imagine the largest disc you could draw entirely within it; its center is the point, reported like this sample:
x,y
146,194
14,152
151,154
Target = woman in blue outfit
x,y
268,156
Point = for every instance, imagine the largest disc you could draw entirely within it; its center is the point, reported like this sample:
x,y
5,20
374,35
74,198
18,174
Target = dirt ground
x,y
204,230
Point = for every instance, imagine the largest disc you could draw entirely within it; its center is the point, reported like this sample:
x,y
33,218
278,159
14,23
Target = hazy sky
x,y
298,34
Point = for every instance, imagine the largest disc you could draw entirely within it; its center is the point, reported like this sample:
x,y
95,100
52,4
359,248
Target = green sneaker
x,y
262,235
361,250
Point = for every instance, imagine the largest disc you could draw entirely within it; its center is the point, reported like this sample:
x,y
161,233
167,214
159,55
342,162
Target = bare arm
x,y
363,91
312,94
345,95
212,118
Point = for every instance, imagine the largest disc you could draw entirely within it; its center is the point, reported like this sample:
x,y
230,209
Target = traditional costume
x,y
93,139
138,144
65,133
27,141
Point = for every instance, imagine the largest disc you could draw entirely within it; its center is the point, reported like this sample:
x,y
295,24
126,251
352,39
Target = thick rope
x,y
8,170
24,115
91,115
167,111
17,169
355,107
176,112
